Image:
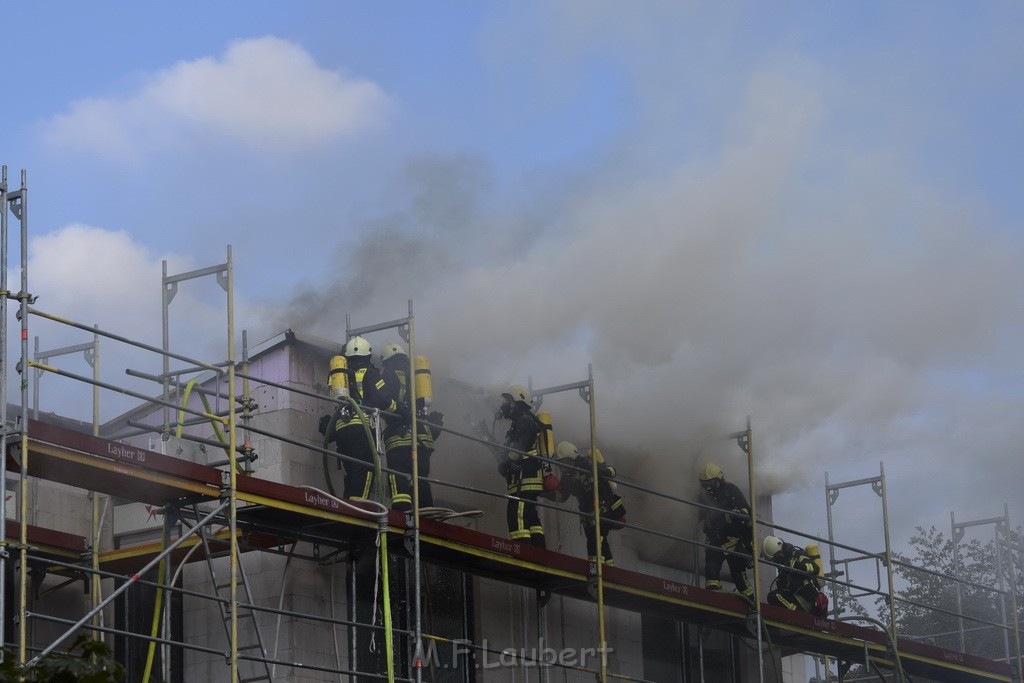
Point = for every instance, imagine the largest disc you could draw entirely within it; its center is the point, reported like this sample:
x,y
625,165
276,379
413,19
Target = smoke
x,y
852,310
724,211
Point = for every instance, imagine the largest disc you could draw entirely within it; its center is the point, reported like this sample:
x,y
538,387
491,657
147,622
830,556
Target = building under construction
x,y
202,535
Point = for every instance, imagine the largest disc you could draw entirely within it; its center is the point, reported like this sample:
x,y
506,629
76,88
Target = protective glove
x,y
325,422
436,417
741,517
509,468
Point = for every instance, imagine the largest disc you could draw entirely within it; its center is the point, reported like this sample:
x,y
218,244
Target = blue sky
x,y
806,212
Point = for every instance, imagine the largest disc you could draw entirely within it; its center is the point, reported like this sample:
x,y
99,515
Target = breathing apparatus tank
x,y
546,441
546,448
596,454
337,380
814,554
424,385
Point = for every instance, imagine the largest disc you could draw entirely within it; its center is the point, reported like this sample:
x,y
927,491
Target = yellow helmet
x,y
711,471
596,451
357,346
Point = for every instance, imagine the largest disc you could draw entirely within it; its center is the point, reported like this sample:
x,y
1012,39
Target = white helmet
x,y
391,350
519,393
566,449
772,546
357,346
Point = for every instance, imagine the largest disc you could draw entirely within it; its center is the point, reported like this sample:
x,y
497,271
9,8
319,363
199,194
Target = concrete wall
x,y
52,506
509,628
306,588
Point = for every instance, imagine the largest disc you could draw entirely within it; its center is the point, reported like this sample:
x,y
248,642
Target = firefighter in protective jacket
x,y
398,434
796,587
728,531
578,481
523,471
346,427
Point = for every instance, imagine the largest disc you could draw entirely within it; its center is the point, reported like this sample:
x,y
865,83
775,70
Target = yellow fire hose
x,y
216,428
382,535
158,603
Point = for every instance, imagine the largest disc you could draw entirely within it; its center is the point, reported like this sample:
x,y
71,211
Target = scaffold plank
x,y
68,457
274,514
48,541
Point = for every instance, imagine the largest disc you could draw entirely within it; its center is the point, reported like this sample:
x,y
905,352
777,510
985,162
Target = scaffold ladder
x,y
249,669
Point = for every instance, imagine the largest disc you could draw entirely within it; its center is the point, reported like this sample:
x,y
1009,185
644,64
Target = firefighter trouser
x,y
400,458
524,519
714,556
352,441
606,550
800,600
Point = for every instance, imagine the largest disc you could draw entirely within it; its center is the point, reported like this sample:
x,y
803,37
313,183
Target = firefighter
x,y
523,472
796,586
580,483
346,429
728,531
398,433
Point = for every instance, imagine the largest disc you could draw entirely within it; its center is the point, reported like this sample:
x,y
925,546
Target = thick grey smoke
x,y
815,280
856,313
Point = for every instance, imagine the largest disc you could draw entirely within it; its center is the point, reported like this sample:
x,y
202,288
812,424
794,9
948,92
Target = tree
x,y
88,661
928,607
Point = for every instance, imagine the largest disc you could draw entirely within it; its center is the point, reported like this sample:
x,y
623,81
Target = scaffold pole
x,y
129,583
21,212
3,395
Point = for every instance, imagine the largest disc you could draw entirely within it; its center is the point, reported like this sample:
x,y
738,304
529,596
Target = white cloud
x,y
266,93
93,276
96,276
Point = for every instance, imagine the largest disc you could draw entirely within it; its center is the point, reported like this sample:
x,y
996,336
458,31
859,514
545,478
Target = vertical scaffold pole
x,y
95,362
1013,587
3,395
753,533
1002,597
353,614
36,372
417,607
888,557
833,566
597,526
165,301
21,212
96,529
232,468
246,403
955,536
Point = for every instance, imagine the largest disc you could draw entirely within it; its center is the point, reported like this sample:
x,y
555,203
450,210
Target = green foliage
x,y
931,613
88,661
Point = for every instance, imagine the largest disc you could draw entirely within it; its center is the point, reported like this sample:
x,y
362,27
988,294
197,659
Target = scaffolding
x,y
258,515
